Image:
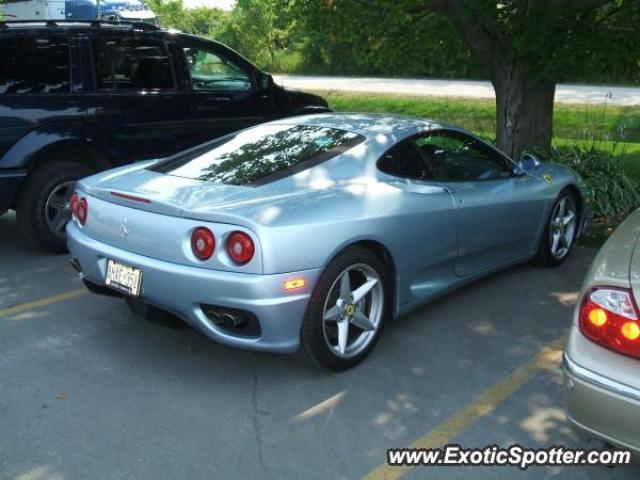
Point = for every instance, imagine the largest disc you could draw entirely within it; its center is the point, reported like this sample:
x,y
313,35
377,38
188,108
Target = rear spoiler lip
x,y
127,196
160,207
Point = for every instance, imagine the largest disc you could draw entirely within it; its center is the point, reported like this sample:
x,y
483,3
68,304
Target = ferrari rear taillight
x,y
73,204
203,243
240,247
79,208
609,317
82,211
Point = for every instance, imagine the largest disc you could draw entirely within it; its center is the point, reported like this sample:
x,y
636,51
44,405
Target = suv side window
x,y
132,64
35,65
211,71
405,160
456,157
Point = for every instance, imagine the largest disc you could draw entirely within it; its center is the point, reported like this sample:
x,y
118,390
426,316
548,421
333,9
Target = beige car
x,y
602,358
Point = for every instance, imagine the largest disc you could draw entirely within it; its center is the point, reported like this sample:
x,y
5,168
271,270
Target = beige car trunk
x,y
618,265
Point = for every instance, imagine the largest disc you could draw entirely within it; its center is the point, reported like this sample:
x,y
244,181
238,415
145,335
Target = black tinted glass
x,y
34,65
405,160
261,154
131,64
456,157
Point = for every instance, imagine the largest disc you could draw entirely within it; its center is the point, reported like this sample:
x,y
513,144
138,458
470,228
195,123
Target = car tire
x,y
323,342
43,189
559,236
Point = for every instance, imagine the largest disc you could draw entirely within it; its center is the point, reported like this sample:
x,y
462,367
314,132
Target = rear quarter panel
x,y
416,227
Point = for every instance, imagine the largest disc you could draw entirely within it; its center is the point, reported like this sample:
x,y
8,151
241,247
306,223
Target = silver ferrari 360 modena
x,y
308,233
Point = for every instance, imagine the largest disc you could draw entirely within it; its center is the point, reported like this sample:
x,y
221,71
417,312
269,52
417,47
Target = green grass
x,y
609,128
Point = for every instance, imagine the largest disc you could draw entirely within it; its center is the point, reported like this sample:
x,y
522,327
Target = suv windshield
x,y
261,154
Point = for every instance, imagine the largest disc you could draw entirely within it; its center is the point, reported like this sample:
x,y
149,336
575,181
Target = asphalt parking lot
x,y
90,391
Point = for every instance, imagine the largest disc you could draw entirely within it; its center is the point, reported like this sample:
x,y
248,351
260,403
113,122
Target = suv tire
x,y
44,194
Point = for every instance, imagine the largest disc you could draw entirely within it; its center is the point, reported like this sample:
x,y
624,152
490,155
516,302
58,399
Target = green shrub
x,y
614,193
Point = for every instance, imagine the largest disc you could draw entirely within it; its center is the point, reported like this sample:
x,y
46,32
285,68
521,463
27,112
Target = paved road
x,y
90,391
565,93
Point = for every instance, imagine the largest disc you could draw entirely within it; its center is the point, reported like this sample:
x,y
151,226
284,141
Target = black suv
x,y
78,97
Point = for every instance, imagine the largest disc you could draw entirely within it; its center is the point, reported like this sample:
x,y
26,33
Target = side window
x,y
210,71
131,64
35,65
456,157
404,160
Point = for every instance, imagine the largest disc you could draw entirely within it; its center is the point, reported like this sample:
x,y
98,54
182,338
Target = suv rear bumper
x,y
10,181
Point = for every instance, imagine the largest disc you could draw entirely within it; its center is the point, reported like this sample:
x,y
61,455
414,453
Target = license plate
x,y
123,277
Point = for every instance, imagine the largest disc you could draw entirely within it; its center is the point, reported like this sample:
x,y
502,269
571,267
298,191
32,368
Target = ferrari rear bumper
x,y
189,292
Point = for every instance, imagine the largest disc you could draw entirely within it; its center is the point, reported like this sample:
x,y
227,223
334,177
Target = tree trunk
x,y
524,112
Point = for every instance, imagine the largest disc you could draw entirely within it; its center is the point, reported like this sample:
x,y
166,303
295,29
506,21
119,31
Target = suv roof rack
x,y
79,23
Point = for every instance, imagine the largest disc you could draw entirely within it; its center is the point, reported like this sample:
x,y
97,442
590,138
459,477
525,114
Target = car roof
x,y
367,124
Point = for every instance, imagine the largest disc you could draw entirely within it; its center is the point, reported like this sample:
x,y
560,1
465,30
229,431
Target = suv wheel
x,y
43,208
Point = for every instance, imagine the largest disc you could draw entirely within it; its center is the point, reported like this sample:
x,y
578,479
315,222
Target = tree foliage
x,y
205,21
379,38
260,29
424,37
417,38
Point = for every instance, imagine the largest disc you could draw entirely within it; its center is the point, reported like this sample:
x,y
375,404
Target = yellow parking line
x,y
482,406
24,307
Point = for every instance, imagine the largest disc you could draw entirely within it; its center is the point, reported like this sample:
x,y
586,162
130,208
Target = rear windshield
x,y
261,154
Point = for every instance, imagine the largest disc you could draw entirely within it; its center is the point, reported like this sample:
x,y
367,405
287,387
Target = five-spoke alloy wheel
x,y
353,310
346,311
563,225
560,231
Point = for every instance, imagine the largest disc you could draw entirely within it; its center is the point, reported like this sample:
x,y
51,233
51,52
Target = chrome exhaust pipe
x,y
230,319
239,322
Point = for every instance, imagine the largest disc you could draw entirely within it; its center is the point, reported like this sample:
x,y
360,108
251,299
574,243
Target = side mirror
x,y
528,162
266,81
